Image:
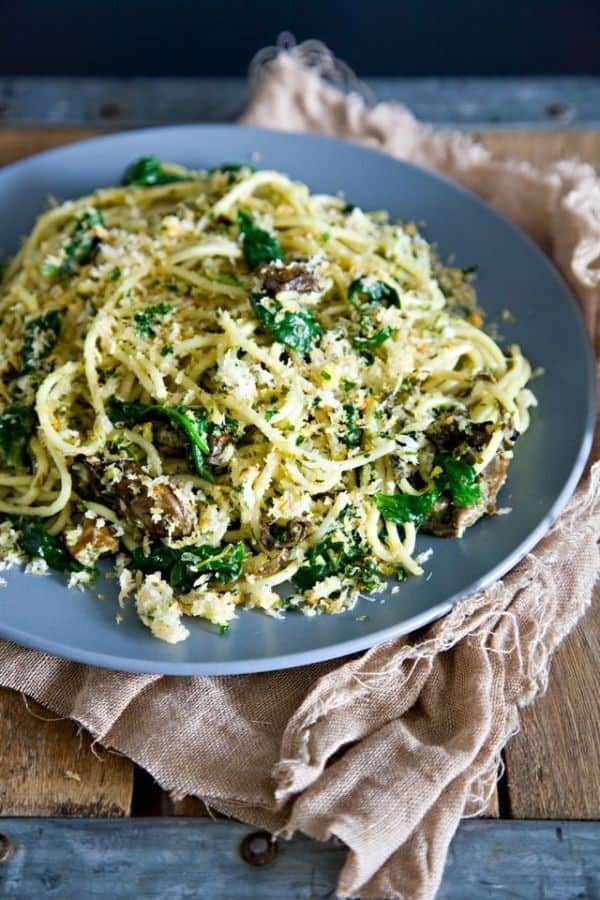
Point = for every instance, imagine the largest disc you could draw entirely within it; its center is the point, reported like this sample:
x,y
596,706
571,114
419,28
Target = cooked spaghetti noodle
x,y
237,385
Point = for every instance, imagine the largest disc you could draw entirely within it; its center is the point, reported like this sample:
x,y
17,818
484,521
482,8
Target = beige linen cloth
x,y
389,750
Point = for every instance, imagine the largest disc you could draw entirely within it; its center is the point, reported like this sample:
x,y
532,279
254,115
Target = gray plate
x,y
42,613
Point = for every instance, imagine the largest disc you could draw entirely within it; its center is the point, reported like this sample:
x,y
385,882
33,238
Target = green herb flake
x,y
39,340
80,249
114,274
270,413
145,319
224,629
325,376
352,436
348,385
258,245
166,351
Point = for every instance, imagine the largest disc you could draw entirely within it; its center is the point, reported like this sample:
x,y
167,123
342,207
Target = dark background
x,y
381,37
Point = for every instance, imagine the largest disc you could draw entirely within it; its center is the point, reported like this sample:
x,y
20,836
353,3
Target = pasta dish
x,y
242,394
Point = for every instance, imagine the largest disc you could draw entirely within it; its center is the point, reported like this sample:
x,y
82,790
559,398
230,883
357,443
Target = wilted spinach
x,y
182,567
149,171
16,427
337,557
192,422
80,249
258,245
35,541
298,330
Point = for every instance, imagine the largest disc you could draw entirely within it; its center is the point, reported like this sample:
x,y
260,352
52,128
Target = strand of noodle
x,y
247,187
209,248
152,454
398,557
60,380
213,287
52,508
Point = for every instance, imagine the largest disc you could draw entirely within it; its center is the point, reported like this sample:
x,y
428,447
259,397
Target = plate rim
x,y
365,642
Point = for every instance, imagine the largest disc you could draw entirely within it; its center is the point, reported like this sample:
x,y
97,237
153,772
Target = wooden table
x,y
75,814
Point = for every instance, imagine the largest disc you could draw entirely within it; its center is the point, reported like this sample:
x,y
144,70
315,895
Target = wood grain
x,y
178,858
553,764
48,767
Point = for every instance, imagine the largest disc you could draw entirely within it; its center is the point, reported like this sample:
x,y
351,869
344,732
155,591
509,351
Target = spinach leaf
x,y
16,427
365,291
258,245
146,318
182,567
297,330
191,422
460,479
400,508
232,167
148,171
80,249
352,437
35,541
337,557
39,339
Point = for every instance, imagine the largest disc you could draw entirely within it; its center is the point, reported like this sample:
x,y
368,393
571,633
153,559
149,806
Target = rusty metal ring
x,y
6,848
258,848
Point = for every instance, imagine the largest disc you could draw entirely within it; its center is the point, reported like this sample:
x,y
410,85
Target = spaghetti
x,y
231,384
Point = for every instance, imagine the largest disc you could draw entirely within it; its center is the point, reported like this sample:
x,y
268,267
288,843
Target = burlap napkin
x,y
387,751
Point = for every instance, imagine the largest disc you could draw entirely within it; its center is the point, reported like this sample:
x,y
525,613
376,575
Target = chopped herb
x,y
16,428
348,385
114,274
191,422
224,629
39,339
461,480
270,413
146,318
337,557
297,330
325,376
149,171
325,237
173,288
258,245
35,541
300,440
183,566
365,291
400,508
80,249
352,436
374,340
165,351
348,208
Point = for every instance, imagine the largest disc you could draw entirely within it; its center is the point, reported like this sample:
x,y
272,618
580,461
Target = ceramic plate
x,y
512,274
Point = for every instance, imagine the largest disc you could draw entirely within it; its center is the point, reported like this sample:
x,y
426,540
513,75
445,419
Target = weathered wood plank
x,y
553,764
467,102
182,858
49,769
